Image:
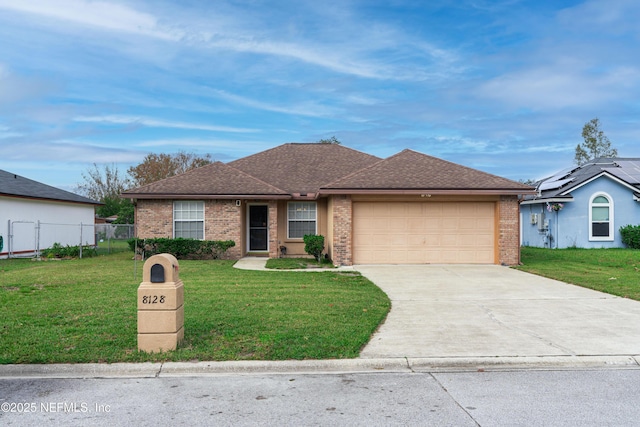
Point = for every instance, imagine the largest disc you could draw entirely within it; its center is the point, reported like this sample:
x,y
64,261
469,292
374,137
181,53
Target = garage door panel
x,y
446,232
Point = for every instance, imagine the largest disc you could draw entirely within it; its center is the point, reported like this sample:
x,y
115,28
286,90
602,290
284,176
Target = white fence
x,y
29,238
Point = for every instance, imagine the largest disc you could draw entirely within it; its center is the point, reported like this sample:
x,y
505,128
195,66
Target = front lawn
x,y
614,271
78,311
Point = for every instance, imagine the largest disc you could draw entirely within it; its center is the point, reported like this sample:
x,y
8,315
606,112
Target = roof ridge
x,y
354,173
215,163
255,178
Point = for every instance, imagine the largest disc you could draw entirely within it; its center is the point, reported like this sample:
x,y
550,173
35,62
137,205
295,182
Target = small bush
x,y
314,245
59,251
182,248
631,236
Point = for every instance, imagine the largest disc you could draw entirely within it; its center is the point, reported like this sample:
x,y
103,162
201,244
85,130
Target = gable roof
x,y
304,168
624,170
13,185
410,172
215,180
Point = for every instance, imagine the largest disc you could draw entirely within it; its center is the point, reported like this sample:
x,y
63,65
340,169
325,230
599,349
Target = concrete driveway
x,y
492,311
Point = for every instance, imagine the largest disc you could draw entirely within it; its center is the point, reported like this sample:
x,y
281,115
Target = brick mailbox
x,y
160,305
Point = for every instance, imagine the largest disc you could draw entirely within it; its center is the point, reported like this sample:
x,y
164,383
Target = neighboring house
x,y
408,208
34,216
584,206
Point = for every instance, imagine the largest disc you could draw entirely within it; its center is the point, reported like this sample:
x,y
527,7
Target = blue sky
x,y
500,86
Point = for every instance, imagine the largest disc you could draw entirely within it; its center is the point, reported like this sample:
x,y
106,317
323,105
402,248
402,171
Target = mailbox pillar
x,y
160,305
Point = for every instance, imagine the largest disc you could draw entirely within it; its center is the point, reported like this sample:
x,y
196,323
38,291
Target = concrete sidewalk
x,y
444,318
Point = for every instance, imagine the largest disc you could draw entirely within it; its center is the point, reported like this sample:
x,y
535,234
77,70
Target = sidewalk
x,y
378,357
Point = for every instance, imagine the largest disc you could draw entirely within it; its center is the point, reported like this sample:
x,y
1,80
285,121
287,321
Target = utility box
x,y
160,305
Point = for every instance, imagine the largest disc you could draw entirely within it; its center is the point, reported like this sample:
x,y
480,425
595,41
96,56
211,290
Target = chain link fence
x,y
27,239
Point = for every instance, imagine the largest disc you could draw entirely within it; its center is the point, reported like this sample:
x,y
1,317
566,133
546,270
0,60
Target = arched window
x,y
601,217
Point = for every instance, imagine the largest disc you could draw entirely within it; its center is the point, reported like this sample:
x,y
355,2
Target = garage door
x,y
418,233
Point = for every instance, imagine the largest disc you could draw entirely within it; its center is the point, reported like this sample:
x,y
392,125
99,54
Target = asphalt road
x,y
603,397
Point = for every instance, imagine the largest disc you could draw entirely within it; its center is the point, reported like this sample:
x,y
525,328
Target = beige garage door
x,y
419,233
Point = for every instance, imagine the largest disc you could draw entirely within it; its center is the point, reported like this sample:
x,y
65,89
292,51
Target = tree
x,y
155,167
105,185
596,144
332,140
100,184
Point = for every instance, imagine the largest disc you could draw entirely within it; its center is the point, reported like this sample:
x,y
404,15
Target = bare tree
x,y
100,184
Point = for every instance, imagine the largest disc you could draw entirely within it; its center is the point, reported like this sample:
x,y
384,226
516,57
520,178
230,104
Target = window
x,y
301,219
188,220
601,217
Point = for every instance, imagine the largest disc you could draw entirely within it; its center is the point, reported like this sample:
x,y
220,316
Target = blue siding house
x,y
583,206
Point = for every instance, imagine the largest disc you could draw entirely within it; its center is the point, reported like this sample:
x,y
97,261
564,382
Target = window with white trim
x,y
301,219
601,217
188,219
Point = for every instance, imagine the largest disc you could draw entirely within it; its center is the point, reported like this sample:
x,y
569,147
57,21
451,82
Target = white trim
x,y
549,200
610,237
315,204
603,173
173,216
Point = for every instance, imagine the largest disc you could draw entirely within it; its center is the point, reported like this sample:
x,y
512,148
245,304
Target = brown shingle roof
x,y
304,168
307,170
215,179
410,170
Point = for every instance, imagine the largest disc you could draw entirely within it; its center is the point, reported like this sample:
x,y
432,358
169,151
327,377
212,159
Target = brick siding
x,y
223,221
342,230
509,230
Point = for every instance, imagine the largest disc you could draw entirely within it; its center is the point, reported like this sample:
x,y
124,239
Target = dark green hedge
x,y
182,248
631,236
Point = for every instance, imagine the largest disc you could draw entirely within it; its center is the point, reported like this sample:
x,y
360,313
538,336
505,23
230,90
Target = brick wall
x,y
154,218
509,230
274,248
223,221
342,230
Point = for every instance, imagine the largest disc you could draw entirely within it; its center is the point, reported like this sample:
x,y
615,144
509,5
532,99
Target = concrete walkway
x,y
444,318
489,311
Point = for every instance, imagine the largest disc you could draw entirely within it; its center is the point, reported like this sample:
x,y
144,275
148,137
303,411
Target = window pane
x,y
600,213
188,219
297,229
189,230
600,199
600,229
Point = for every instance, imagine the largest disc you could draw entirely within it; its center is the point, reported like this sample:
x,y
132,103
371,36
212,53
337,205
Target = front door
x,y
258,228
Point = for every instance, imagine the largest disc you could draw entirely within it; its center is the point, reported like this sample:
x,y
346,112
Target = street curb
x,y
334,366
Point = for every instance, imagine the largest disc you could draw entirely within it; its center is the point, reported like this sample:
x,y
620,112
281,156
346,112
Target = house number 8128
x,y
153,299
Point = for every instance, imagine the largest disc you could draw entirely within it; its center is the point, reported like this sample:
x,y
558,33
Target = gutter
x,y
549,200
203,196
427,191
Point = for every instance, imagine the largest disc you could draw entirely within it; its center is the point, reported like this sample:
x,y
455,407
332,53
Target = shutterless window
x,y
301,219
188,219
601,223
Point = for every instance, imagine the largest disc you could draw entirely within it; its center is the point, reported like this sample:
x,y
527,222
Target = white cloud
x,y
149,122
558,86
98,14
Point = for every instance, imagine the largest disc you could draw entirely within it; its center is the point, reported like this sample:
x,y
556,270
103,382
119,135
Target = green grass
x,y
75,311
112,246
614,271
296,263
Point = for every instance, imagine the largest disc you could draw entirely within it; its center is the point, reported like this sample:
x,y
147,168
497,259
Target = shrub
x,y
314,245
182,248
59,251
631,236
